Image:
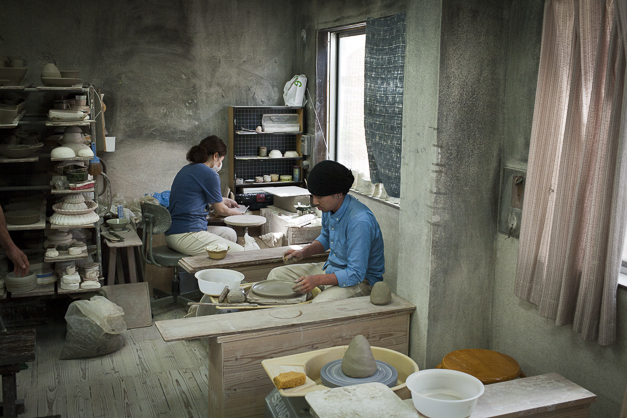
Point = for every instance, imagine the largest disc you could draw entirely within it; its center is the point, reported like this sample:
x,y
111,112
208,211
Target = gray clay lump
x,y
358,360
380,294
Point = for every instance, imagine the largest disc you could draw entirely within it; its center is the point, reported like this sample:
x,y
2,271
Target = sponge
x,y
289,380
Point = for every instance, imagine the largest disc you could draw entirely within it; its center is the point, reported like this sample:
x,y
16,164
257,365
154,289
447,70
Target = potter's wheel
x,y
274,289
332,375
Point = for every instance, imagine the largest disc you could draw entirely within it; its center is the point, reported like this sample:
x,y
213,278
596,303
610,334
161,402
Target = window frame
x,y
326,83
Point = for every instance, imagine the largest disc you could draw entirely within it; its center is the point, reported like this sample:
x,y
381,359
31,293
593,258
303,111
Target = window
x,y
343,94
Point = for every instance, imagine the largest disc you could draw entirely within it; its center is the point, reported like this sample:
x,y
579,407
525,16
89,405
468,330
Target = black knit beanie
x,y
329,177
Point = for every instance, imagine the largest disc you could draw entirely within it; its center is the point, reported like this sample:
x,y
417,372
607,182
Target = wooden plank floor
x,y
146,378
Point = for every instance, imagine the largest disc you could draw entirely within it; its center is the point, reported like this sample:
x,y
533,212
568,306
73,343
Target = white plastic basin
x,y
212,281
441,393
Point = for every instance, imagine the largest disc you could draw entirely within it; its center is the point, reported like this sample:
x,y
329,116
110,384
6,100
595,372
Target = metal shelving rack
x,y
20,120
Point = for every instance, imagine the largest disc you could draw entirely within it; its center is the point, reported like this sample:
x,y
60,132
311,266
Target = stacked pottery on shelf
x,y
12,70
70,279
73,144
74,210
52,76
91,276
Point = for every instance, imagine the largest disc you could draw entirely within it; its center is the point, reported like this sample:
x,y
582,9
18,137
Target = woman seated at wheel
x,y
196,186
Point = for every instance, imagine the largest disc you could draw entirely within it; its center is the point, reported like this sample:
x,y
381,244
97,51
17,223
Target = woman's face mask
x,y
217,167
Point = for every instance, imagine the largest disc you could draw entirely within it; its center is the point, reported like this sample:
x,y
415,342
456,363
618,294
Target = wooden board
x,y
272,257
545,396
131,239
262,320
79,290
65,256
134,299
17,347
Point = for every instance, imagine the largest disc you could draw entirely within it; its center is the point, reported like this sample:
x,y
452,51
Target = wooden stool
x,y
486,365
131,240
15,347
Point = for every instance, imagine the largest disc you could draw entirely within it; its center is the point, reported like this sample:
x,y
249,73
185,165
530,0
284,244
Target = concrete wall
x,y
168,69
517,329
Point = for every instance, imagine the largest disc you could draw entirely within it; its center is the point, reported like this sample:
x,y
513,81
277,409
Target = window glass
x,y
350,139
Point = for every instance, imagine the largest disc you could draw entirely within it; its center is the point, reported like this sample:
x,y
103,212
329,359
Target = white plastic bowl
x,y
212,281
442,393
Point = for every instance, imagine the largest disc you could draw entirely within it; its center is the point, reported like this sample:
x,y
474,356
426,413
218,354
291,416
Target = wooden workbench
x,y
544,396
239,341
255,265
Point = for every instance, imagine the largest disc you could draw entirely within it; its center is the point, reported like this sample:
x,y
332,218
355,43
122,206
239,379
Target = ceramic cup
x,y
263,151
239,181
69,270
258,179
274,177
267,178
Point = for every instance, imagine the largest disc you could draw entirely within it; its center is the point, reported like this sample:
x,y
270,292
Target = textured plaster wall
x,y
469,133
517,329
168,69
420,104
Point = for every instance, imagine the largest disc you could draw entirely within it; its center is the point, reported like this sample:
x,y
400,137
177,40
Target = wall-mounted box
x,y
511,202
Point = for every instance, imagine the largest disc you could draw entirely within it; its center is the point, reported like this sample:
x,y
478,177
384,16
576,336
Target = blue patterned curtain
x,y
383,99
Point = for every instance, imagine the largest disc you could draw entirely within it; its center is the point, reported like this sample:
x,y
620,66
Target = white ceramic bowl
x,y
62,152
275,153
212,281
291,154
441,393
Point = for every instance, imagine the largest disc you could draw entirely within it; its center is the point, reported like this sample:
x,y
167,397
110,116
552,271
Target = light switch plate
x,y
510,217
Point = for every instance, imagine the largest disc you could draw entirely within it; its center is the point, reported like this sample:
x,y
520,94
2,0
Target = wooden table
x,y
239,341
15,347
131,240
255,265
544,396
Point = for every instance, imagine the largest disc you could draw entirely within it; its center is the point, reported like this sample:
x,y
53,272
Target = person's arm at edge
x,y
222,210
19,259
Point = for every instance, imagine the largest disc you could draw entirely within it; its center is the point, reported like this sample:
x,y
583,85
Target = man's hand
x,y
305,284
230,203
292,256
20,261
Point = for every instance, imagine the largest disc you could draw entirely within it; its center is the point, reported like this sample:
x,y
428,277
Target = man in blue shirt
x,y
351,233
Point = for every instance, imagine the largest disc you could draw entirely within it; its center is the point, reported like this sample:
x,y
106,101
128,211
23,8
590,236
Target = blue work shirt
x,y
194,187
354,237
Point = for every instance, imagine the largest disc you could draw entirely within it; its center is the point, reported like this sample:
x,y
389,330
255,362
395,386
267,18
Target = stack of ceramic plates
x,y
72,208
59,238
72,220
17,284
70,281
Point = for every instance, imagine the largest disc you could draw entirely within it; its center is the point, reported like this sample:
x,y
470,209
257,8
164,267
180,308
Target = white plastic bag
x,y
294,91
250,243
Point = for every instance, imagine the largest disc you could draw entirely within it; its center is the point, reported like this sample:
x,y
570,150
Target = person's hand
x,y
305,284
292,256
230,203
20,261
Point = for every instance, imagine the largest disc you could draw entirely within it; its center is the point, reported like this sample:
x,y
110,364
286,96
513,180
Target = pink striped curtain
x,y
575,214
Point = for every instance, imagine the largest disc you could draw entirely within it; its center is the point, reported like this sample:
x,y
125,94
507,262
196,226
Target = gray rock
x,y
380,294
358,360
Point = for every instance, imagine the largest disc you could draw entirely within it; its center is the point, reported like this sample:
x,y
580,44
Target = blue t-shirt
x,y
354,237
194,187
